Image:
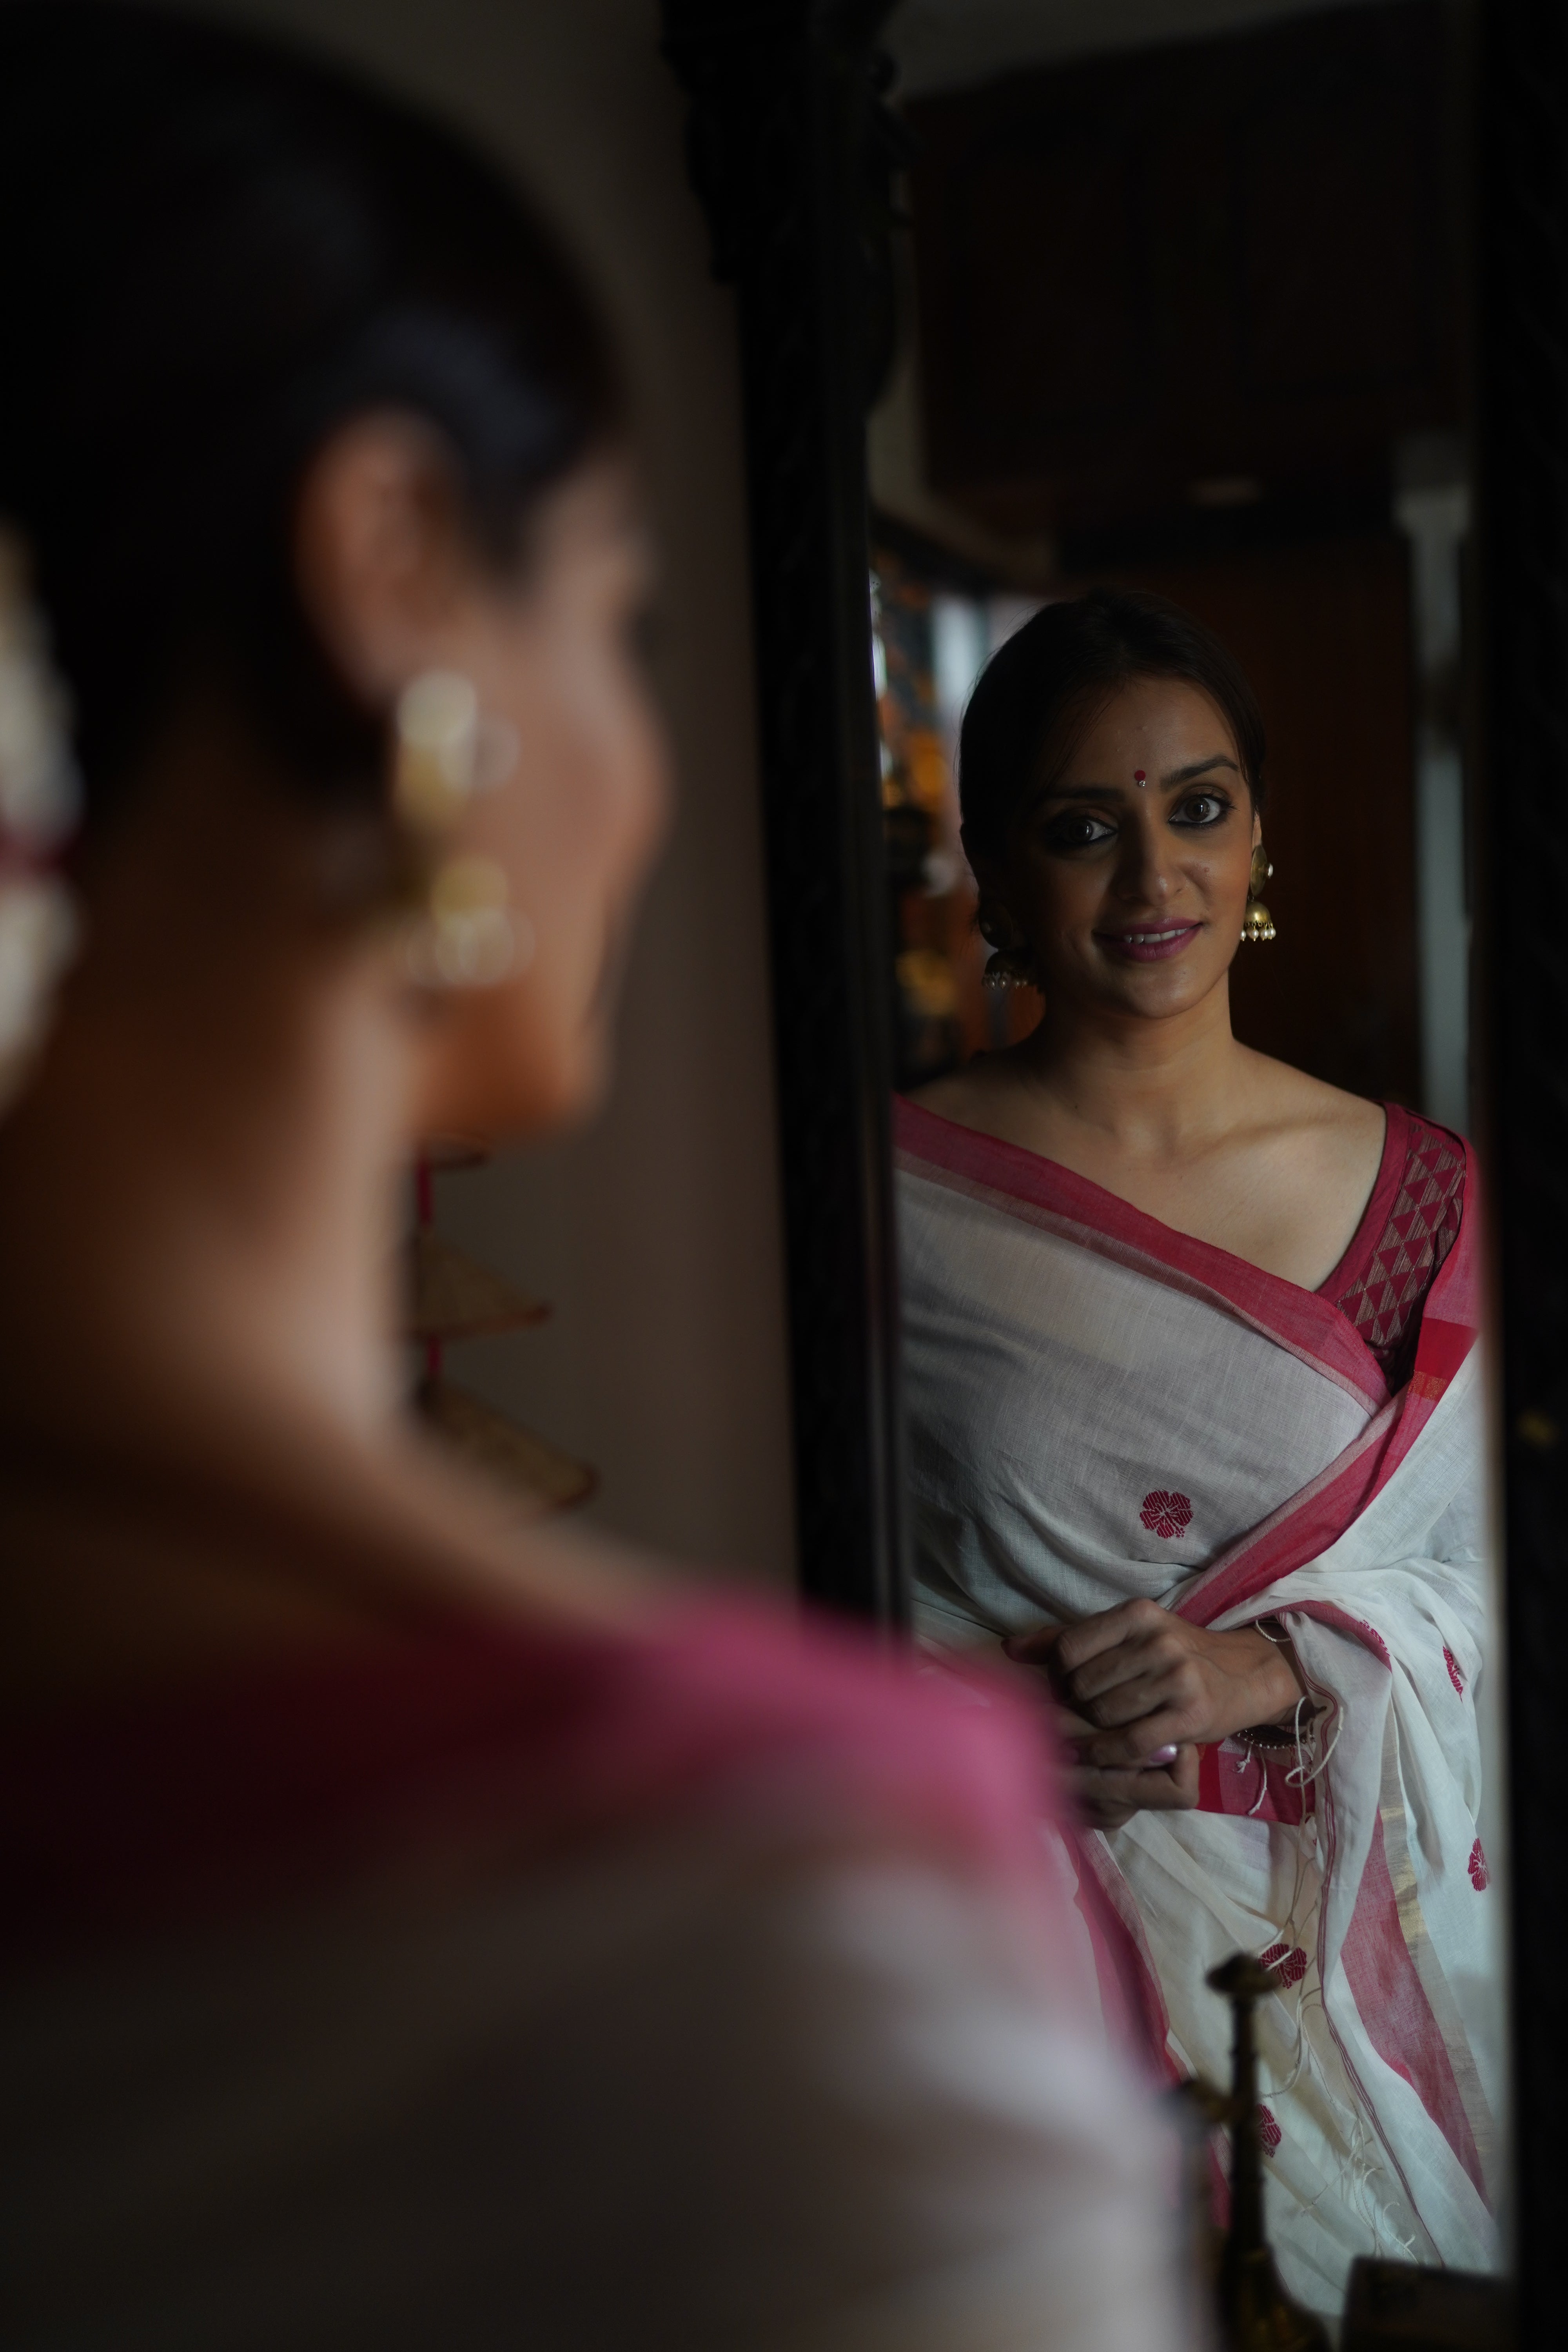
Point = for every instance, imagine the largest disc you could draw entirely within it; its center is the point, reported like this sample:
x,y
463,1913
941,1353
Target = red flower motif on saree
x,y
1287,1963
1268,2132
1455,1677
1480,1877
1164,1513
1373,1639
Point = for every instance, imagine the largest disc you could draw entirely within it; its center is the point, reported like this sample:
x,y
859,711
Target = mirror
x,y
1175,660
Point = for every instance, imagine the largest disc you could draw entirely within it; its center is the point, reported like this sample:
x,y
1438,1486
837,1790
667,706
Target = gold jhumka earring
x,y
1009,965
1258,923
447,751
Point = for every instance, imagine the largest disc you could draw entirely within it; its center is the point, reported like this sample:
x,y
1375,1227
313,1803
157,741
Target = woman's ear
x,y
379,552
1256,824
997,923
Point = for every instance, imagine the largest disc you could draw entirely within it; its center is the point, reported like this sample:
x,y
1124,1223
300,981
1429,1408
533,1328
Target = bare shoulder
x,y
1333,1128
953,1096
978,1093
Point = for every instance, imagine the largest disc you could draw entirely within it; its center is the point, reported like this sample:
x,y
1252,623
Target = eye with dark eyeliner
x,y
1201,809
1077,829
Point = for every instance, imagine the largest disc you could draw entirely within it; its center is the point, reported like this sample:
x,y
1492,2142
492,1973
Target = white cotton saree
x,y
1102,1408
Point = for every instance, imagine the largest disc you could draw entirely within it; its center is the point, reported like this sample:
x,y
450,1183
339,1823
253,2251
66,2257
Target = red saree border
x,y
1123,1962
1254,1784
1394,2007
1374,1221
1323,1511
1042,1193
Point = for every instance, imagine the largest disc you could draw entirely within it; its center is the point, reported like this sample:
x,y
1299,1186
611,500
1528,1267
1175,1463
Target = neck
x,y
202,1454
198,1194
1156,1086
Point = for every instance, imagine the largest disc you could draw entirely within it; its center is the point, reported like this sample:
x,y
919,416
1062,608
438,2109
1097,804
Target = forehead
x,y
1155,723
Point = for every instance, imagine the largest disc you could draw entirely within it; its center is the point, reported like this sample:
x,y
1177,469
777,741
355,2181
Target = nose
x,y
1144,870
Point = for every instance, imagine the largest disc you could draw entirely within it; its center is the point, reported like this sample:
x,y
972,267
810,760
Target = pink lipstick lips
x,y
1150,944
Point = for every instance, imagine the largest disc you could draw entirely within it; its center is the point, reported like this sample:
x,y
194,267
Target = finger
x,y
1170,1789
1169,1792
1159,1645
1090,1786
1086,1640
1071,1727
1092,1814
1128,1750
1130,1702
1031,1649
1176,1688
1108,1799
1102,1813
1107,1672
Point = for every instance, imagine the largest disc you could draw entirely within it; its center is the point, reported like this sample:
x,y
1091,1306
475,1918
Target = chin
x,y
510,1081
540,1103
583,1091
1173,987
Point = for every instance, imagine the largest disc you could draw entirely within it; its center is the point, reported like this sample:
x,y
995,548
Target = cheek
x,y
636,764
1226,874
592,812
614,810
1063,897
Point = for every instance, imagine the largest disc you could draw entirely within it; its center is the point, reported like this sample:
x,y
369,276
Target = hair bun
x,y
217,250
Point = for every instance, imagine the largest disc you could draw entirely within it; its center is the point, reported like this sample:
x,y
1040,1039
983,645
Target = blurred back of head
x,y
218,251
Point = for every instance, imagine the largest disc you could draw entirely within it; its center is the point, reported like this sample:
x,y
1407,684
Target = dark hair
x,y
1040,689
216,252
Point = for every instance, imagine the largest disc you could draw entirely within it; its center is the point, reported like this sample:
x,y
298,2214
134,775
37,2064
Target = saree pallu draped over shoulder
x,y
1104,1410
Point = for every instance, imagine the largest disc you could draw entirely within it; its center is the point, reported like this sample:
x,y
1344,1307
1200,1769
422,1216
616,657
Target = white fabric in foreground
x,y
711,2091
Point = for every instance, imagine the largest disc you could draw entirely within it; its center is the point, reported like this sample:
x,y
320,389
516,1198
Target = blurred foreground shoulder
x,y
742,2023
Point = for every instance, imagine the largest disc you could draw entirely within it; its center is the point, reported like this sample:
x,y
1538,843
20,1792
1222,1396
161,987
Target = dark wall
x,y
1198,276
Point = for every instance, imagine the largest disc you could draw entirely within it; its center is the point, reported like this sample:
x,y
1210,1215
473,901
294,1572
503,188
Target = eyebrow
x,y
1177,776
1201,768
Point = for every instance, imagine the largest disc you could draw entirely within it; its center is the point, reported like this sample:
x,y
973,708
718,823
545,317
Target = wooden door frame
x,y
789,150
789,153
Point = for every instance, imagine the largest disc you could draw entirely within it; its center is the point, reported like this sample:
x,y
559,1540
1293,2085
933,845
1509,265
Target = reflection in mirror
x,y
1171,508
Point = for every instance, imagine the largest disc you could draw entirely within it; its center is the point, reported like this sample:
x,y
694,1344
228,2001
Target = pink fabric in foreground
x,y
268,1784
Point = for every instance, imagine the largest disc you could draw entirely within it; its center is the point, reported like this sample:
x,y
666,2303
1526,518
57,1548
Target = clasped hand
x,y
1134,1679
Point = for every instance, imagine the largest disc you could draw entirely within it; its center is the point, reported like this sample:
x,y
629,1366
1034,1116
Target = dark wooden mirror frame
x,y
791,152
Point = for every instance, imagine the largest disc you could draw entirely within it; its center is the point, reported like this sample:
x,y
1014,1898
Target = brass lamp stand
x,y
1256,2315
1403,2306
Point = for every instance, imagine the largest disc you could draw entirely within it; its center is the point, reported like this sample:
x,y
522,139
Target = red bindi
x,y
1139,777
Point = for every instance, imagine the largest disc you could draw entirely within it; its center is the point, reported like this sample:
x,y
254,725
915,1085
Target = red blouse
x,y
1406,1230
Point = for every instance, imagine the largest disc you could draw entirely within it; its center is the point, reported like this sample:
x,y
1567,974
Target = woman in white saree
x,y
1197,1432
